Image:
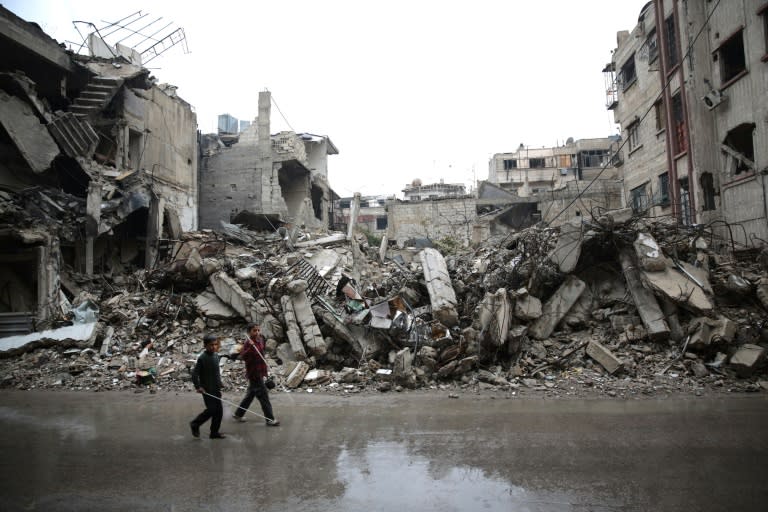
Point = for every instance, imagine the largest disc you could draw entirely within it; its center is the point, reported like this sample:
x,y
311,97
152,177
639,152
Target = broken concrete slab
x,y
556,307
28,134
325,261
293,331
212,307
747,359
326,240
568,250
647,306
441,293
681,288
80,335
310,331
605,357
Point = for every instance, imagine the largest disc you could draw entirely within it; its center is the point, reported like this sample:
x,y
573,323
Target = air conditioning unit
x,y
713,99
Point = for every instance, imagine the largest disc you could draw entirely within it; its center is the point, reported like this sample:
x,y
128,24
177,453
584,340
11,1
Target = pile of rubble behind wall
x,y
619,306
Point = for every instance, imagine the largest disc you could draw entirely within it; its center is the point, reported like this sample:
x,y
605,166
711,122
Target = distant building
x,y
529,170
418,192
244,125
227,124
371,218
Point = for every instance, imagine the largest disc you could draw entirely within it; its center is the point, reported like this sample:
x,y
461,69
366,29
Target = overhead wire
x,y
652,104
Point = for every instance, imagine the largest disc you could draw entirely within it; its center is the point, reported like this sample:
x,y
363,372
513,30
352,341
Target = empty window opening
x,y
640,198
538,163
633,136
671,46
628,74
135,149
739,149
317,202
510,164
708,191
381,223
731,58
661,116
664,189
651,44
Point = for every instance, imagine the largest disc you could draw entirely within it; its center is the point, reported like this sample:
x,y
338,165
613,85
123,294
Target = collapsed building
x,y
99,168
265,181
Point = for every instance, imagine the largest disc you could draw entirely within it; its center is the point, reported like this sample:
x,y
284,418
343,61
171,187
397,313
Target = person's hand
x,y
200,390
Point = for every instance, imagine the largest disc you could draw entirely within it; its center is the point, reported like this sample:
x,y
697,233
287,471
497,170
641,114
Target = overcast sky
x,y
405,89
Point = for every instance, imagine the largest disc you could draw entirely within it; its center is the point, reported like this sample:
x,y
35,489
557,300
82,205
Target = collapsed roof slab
x,y
30,137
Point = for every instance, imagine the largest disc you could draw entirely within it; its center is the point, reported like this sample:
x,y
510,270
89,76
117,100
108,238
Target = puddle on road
x,y
66,428
386,473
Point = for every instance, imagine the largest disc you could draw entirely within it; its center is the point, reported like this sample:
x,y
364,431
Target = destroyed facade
x,y
688,87
99,167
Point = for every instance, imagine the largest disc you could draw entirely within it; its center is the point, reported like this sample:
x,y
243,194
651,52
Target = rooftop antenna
x,y
147,41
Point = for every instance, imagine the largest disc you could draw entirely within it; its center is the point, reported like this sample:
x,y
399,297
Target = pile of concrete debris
x,y
619,305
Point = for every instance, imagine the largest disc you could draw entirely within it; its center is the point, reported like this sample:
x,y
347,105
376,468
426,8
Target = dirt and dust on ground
x,y
619,306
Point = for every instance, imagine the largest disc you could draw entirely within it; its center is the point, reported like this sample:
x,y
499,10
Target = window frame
x,y
719,55
630,63
670,48
633,136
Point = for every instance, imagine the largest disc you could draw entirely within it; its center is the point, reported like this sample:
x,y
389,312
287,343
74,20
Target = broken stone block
x,y
317,377
568,250
305,318
297,374
738,285
605,357
527,307
441,294
493,315
556,307
402,369
747,358
649,253
707,331
491,378
699,370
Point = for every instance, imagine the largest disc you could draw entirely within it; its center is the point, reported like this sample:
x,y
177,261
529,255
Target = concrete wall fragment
x,y
441,293
556,307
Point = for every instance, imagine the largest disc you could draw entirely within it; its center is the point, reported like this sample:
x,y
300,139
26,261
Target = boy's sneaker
x,y
237,418
217,436
195,429
273,423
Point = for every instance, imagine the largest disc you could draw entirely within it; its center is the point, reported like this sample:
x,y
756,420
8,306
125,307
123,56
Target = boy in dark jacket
x,y
207,380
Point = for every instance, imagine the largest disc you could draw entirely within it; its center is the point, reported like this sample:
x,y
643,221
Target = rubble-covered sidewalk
x,y
621,306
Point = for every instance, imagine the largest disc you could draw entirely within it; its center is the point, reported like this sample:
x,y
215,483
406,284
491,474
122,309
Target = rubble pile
x,y
619,306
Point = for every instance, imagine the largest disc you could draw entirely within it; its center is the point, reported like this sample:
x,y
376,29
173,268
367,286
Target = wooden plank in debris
x,y
647,306
603,356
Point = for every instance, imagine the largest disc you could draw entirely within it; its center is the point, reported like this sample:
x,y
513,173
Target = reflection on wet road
x,y
79,451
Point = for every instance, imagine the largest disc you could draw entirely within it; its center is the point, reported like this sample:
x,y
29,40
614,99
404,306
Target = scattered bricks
x,y
556,307
747,358
603,356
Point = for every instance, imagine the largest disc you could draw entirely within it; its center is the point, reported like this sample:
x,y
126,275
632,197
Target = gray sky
x,y
405,89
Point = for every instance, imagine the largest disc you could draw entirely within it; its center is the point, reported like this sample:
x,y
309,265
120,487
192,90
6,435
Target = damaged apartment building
x,y
689,87
98,167
265,181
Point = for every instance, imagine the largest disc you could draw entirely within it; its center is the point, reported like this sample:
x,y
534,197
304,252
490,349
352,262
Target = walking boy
x,y
207,380
256,370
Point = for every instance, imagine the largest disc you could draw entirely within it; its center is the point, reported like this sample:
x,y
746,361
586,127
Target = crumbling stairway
x,y
97,95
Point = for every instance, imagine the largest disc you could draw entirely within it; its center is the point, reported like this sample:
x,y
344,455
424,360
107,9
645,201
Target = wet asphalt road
x,y
398,452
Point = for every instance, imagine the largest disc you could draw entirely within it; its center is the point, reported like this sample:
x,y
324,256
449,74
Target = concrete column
x,y
354,211
93,217
154,229
265,168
